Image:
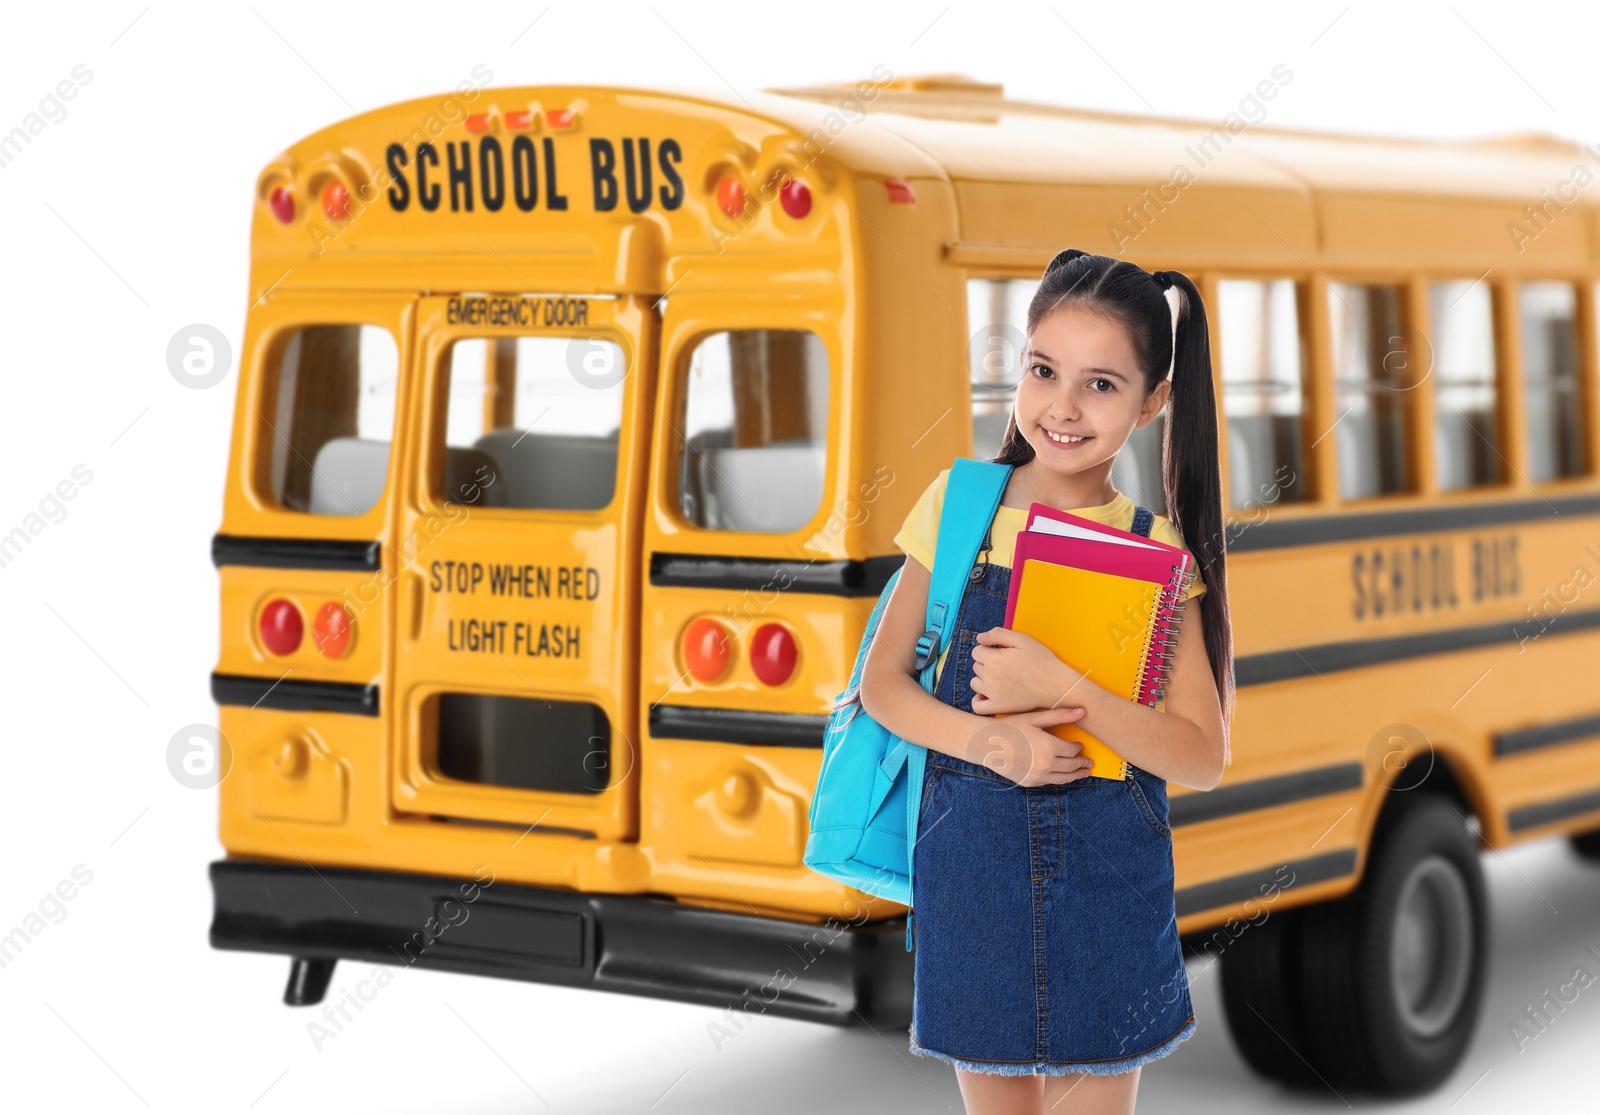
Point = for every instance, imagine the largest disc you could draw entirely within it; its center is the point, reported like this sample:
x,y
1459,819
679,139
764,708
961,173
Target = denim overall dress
x,y
1046,938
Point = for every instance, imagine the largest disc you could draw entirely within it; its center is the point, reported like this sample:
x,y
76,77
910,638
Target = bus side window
x,y
1550,380
755,431
1466,396
997,315
1264,389
332,418
1371,368
533,422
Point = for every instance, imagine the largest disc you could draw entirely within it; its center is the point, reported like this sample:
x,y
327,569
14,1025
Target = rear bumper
x,y
829,973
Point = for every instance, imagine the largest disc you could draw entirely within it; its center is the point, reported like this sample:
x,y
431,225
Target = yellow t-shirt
x,y
919,536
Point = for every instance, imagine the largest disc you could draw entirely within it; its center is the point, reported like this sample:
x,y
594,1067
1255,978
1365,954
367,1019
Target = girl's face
x,y
1082,392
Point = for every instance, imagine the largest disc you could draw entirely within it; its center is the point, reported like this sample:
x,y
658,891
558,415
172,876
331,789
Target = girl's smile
x,y
1063,440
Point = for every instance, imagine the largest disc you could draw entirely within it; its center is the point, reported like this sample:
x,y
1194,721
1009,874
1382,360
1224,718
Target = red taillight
x,y
281,627
332,628
730,196
795,196
519,120
336,201
773,653
282,202
559,117
478,122
707,650
900,192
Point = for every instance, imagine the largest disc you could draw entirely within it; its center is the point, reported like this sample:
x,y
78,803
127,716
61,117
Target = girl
x,y
1047,954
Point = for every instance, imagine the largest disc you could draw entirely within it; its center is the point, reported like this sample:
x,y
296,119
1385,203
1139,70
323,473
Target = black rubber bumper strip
x,y
295,553
833,972
736,725
290,695
824,578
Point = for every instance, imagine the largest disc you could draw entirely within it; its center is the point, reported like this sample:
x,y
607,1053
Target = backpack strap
x,y
971,497
1143,520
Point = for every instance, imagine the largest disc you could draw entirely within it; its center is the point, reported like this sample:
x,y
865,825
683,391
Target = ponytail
x,y
1191,467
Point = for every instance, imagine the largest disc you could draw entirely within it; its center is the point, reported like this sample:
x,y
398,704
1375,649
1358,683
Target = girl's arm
x,y
891,694
1184,743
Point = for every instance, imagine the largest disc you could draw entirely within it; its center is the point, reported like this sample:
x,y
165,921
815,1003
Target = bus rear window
x,y
332,418
755,431
543,416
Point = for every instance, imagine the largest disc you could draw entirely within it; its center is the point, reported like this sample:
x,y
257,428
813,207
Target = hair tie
x,y
1163,279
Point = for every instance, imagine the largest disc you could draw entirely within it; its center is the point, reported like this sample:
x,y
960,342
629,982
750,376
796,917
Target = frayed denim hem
x,y
1058,1068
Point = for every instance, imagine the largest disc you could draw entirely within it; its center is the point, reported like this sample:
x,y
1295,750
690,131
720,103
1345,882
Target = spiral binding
x,y
1164,640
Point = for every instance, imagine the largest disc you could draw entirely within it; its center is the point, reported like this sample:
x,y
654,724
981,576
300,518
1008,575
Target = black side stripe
x,y
1263,793
1258,669
867,578
1279,533
293,695
1546,812
823,578
295,553
733,725
1262,881
1546,735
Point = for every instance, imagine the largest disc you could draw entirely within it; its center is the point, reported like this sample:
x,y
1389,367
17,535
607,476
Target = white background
x,y
128,219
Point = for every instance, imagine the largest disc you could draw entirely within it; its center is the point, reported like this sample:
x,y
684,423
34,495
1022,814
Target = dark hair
x,y
1191,474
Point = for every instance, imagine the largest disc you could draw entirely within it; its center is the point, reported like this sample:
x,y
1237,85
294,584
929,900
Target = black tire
x,y
1587,845
1312,996
1261,998
1399,1024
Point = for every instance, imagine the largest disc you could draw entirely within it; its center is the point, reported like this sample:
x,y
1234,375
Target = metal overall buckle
x,y
978,570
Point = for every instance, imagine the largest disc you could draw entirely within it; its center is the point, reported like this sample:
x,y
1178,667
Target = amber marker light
x,y
707,650
730,196
336,201
332,628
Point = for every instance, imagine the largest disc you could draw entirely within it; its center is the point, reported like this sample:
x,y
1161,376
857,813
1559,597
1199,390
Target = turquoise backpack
x,y
865,808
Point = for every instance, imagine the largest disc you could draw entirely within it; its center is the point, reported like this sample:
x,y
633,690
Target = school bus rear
x,y
535,562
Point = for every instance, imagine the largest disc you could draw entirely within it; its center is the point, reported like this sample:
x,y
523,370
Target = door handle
x,y
414,603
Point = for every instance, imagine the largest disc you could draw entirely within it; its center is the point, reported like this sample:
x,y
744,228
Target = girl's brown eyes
x,y
1044,371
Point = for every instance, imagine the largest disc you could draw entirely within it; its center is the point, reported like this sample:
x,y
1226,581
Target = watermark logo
x,y
199,756
199,356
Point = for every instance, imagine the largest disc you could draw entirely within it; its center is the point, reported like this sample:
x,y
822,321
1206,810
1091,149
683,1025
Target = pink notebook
x,y
1105,549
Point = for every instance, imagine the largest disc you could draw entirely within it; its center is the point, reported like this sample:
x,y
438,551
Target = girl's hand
x,y
1022,748
1013,672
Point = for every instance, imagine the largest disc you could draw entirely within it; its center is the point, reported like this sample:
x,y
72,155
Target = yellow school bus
x,y
573,428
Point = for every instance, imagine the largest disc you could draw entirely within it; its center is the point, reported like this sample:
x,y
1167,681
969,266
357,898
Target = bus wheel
x,y
308,980
1587,844
1261,998
1393,972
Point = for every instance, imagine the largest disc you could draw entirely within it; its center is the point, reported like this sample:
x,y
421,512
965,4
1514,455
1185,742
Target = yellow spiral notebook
x,y
1116,628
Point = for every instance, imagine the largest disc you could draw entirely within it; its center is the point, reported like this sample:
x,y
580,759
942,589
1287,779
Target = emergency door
x,y
515,672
